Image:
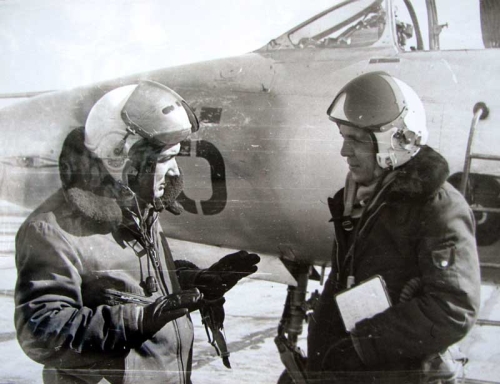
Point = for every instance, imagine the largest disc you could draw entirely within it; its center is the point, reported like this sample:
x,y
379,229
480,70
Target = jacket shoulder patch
x,y
444,258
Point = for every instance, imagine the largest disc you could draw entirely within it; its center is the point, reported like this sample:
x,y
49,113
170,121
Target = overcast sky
x,y
60,44
55,44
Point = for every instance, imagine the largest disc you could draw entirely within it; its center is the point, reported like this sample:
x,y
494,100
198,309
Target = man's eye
x,y
360,140
351,140
164,159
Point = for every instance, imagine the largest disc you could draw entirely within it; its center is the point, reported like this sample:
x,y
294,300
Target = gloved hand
x,y
168,308
223,275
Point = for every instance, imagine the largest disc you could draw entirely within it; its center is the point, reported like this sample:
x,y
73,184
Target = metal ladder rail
x,y
481,112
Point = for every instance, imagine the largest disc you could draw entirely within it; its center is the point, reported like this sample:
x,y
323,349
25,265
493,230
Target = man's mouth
x,y
350,163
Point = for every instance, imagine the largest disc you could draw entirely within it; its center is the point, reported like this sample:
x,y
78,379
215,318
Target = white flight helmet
x,y
389,109
127,114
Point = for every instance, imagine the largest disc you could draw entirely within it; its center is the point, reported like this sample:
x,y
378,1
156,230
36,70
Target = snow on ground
x,y
251,322
253,309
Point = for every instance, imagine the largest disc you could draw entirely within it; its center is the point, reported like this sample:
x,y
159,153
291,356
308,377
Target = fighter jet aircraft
x,y
259,171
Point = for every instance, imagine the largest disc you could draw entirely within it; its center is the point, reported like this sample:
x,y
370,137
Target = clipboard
x,y
362,301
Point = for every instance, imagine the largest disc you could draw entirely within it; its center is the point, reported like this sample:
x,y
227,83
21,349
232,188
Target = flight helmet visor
x,y
166,122
369,102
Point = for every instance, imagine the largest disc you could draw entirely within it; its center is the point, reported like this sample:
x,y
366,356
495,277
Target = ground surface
x,y
253,310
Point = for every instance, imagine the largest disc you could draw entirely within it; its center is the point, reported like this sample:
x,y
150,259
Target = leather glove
x,y
168,308
223,275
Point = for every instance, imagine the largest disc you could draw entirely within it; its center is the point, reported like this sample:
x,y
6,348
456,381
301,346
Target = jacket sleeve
x,y
446,307
53,326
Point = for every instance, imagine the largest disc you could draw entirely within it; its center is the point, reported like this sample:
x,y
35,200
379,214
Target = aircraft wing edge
x,y
23,95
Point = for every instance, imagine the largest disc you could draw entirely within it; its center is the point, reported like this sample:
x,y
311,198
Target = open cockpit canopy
x,y
410,25
357,23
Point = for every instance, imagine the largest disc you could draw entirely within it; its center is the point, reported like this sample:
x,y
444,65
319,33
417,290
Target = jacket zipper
x,y
351,251
155,258
163,283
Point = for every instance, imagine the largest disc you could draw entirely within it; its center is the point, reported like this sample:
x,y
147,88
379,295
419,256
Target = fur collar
x,y
421,177
94,208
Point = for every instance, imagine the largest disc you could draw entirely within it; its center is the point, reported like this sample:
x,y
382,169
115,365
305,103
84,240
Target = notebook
x,y
362,301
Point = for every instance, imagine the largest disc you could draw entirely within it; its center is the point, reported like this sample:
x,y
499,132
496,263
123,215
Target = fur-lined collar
x,y
94,208
421,177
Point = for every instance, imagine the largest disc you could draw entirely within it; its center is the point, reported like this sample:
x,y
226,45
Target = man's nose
x,y
346,149
173,169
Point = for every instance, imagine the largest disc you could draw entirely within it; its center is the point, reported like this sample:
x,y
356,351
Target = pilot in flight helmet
x,y
387,108
126,115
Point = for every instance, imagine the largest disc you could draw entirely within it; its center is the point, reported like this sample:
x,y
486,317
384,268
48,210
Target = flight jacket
x,y
80,295
417,230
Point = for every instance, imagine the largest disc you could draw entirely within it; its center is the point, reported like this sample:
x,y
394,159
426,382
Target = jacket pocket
x,y
444,258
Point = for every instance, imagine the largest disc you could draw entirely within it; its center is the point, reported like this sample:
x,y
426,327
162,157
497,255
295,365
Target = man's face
x,y
166,165
359,149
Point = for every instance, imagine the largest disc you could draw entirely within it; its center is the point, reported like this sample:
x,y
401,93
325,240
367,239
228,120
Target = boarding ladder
x,y
480,112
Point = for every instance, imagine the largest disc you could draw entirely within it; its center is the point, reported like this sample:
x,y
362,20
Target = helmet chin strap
x,y
145,185
139,172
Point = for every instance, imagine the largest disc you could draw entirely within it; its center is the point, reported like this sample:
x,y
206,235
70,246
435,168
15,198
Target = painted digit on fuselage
x,y
218,200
